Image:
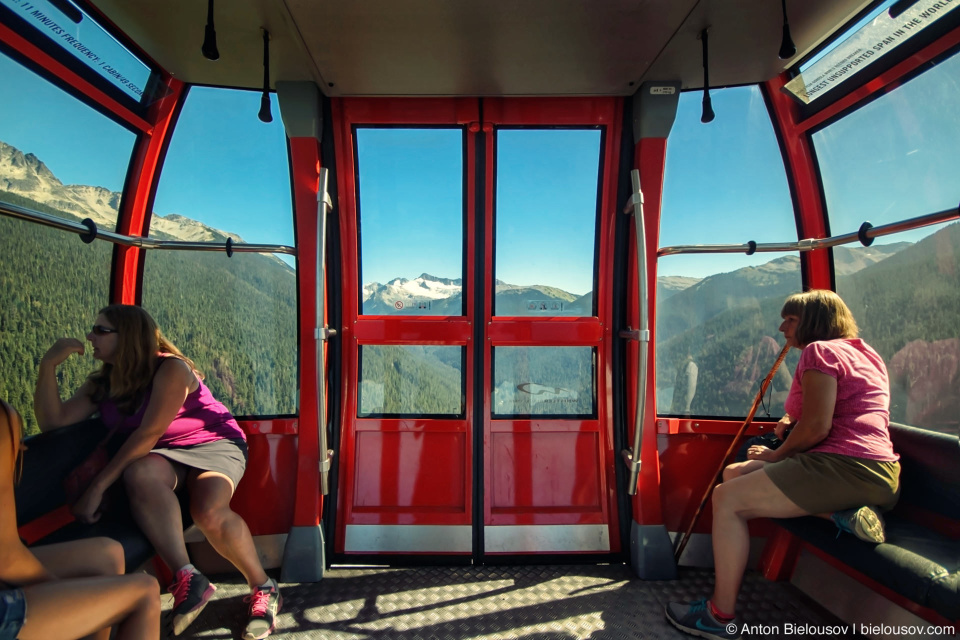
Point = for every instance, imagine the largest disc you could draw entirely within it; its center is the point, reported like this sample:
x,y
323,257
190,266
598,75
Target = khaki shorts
x,y
828,482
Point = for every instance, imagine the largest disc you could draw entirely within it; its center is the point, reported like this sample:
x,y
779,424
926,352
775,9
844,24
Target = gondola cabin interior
x,y
497,283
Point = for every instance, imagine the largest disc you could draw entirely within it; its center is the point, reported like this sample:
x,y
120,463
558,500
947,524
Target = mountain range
x,y
25,175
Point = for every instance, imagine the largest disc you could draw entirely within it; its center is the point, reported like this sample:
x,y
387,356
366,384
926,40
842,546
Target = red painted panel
x,y
408,470
544,332
546,471
264,495
432,330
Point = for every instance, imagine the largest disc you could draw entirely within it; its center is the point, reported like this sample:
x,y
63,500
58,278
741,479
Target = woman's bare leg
x,y
735,503
738,469
210,495
82,606
87,558
150,483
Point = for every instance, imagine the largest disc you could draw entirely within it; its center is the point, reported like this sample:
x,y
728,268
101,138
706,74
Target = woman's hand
x,y
61,350
759,452
87,508
785,423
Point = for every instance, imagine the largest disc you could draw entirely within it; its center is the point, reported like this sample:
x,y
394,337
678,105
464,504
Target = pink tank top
x,y
861,416
201,419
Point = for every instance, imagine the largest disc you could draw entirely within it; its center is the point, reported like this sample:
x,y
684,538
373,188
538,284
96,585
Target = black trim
x,y
335,350
620,321
479,344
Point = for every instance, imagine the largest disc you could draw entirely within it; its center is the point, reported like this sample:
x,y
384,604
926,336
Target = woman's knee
x,y
111,555
209,517
146,475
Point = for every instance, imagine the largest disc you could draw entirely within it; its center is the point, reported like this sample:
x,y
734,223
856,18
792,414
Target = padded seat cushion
x,y
915,562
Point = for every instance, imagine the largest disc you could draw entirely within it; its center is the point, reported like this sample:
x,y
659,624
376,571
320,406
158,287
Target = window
x,y
891,160
544,381
57,155
60,157
546,237
411,380
411,210
717,314
227,175
81,38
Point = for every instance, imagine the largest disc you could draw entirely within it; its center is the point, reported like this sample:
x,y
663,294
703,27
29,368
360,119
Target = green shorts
x,y
828,482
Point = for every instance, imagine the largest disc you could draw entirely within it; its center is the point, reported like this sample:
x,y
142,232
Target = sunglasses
x,y
100,330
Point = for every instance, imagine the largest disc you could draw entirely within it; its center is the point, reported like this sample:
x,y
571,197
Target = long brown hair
x,y
823,316
16,439
140,344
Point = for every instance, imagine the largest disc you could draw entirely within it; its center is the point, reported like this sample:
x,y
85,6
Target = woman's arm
x,y
18,567
819,401
50,410
171,385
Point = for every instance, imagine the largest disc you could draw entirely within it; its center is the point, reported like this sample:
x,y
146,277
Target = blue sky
x,y
724,181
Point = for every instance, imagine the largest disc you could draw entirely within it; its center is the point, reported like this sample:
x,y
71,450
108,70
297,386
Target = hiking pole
x,y
682,541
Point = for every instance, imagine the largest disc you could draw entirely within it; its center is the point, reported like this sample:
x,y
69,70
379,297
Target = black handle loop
x,y
91,234
229,247
862,234
751,247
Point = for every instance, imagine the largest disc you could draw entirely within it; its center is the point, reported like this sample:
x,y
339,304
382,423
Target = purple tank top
x,y
201,419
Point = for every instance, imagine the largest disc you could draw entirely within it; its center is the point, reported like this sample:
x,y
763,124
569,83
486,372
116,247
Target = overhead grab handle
x,y
642,335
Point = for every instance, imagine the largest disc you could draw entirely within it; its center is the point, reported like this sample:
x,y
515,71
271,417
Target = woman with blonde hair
x,y
837,458
178,435
70,589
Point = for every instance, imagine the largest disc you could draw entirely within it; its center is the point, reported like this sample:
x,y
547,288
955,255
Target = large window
x,y
892,159
411,211
57,156
227,175
545,236
717,314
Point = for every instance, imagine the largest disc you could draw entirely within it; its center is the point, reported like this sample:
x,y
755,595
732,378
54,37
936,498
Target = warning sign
x,y
871,42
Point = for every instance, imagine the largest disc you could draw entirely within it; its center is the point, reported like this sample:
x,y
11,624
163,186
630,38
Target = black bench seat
x,y
48,459
916,562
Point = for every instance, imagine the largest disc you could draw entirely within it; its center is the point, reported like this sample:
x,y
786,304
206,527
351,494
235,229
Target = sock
x,y
188,567
269,584
719,615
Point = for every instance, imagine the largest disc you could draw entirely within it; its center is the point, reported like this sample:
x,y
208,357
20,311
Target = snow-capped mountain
x,y
25,175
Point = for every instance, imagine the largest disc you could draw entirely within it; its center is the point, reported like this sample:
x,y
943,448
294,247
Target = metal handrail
x,y
865,236
89,231
632,458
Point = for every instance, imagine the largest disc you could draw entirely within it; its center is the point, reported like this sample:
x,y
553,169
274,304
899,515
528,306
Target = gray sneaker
x,y
264,606
695,619
191,592
866,523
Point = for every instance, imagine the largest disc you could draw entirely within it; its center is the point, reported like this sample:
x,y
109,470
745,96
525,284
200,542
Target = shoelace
x,y
698,606
180,587
259,600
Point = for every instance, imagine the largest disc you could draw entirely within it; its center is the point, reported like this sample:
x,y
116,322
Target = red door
x,y
476,330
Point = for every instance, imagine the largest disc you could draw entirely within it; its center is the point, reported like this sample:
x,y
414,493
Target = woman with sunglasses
x,y
69,589
178,435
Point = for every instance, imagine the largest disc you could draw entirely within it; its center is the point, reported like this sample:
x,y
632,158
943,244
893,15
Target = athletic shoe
x,y
865,523
264,606
191,593
695,618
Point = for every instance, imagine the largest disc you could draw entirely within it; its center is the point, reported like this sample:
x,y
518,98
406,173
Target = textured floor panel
x,y
533,602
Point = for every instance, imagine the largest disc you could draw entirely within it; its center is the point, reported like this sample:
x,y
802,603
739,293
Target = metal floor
x,y
536,602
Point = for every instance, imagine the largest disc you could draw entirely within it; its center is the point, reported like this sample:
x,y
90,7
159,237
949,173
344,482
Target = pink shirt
x,y
861,416
202,418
